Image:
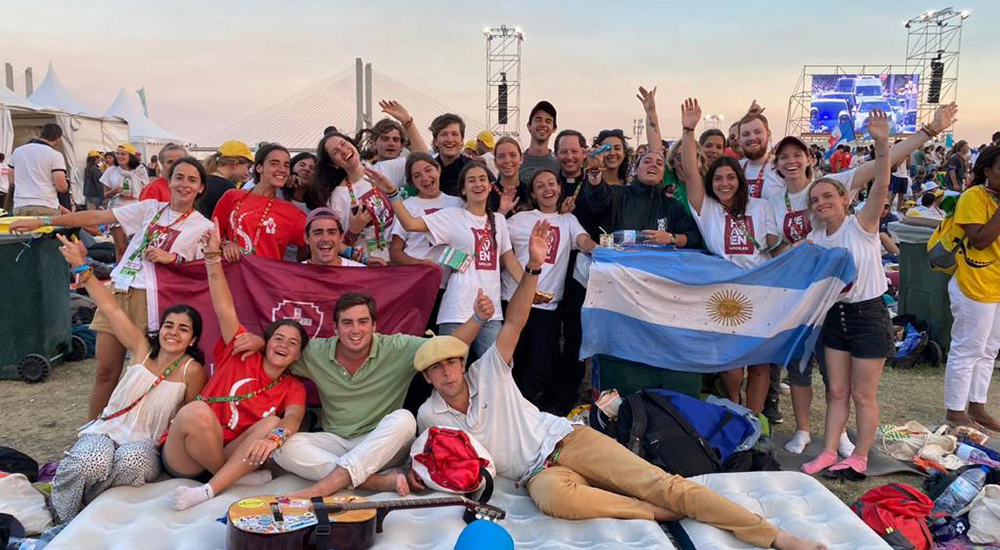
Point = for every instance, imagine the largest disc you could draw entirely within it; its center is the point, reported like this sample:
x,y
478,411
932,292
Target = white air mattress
x,y
129,518
793,501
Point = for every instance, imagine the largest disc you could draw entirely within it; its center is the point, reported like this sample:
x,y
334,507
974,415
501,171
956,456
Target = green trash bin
x,y
35,331
923,292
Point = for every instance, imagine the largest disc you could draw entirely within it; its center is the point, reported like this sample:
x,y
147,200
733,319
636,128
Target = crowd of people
x,y
505,226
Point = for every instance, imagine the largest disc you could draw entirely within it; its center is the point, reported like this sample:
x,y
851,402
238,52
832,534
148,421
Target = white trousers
x,y
314,455
975,340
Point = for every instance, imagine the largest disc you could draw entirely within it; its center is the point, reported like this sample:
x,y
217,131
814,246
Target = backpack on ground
x,y
680,434
898,513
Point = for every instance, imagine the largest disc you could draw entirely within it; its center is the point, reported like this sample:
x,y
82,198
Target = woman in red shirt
x,y
258,222
249,406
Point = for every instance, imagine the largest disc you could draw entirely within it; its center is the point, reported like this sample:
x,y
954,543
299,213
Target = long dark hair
x,y
491,225
327,175
193,350
260,158
626,152
742,198
987,157
91,161
133,162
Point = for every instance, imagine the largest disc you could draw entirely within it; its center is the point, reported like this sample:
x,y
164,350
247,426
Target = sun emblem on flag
x,y
730,308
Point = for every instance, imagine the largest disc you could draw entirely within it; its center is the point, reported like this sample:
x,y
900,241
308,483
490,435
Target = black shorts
x,y
897,184
863,328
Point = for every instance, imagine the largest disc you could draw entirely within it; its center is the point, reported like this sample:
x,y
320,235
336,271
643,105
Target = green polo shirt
x,y
354,405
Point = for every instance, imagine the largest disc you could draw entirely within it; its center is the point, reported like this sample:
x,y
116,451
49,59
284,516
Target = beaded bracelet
x,y
276,439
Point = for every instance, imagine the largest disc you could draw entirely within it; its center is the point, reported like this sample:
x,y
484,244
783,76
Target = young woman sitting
x,y
247,410
119,447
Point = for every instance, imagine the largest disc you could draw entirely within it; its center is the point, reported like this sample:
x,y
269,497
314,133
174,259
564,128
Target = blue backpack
x,y
678,433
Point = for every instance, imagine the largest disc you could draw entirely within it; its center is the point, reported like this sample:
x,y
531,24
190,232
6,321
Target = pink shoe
x,y
820,463
854,462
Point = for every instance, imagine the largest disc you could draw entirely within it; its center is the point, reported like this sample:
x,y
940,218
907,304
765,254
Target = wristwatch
x,y
530,271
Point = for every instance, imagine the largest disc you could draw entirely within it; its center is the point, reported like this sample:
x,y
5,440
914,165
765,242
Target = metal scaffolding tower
x,y
933,44
503,80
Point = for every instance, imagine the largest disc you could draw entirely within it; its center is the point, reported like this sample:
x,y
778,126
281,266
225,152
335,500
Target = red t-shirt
x,y
234,376
158,189
729,152
283,225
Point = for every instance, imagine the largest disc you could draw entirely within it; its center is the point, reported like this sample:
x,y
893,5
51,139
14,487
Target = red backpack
x,y
898,513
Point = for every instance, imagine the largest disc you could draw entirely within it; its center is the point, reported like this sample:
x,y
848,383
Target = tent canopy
x,y
139,126
53,95
10,99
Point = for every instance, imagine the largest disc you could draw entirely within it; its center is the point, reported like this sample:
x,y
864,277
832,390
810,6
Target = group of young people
x,y
506,241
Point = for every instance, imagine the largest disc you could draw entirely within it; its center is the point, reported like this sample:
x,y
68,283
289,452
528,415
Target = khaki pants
x,y
132,302
35,211
596,477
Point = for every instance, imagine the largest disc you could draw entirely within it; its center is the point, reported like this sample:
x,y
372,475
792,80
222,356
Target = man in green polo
x,y
362,378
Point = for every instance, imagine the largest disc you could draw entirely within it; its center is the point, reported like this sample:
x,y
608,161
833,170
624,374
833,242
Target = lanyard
x,y
153,231
260,222
740,224
243,396
759,180
163,375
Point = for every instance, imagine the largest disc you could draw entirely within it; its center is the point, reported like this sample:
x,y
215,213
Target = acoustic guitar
x,y
342,523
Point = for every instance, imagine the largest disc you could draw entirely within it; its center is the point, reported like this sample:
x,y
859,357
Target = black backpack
x,y
15,462
651,427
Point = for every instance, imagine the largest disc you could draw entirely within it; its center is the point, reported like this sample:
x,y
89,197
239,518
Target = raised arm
x,y
483,311
511,265
398,112
653,135
878,127
222,299
690,115
519,306
944,117
406,220
76,219
132,337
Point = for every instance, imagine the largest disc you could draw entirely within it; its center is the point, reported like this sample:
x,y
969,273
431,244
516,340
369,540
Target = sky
x,y
207,65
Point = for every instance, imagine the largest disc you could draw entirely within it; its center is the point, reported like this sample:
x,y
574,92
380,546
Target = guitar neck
x,y
394,504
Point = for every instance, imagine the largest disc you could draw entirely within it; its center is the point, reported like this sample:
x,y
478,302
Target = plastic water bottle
x,y
961,491
127,187
629,237
972,455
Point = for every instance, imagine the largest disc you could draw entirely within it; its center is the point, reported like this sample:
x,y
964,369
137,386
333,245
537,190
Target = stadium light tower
x,y
503,80
933,45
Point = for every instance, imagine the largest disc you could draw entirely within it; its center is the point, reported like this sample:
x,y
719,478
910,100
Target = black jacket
x,y
639,206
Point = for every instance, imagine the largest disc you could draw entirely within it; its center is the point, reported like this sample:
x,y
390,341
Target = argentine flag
x,y
690,311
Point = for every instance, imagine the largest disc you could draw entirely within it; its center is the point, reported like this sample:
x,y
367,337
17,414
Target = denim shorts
x,y
804,378
864,329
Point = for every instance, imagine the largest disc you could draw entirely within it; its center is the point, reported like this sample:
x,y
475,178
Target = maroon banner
x,y
268,290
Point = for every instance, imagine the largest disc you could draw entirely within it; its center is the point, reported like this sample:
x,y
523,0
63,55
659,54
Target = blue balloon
x,y
484,535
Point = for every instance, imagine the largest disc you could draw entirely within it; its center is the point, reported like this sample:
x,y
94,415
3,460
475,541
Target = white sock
x,y
845,448
186,497
798,442
257,477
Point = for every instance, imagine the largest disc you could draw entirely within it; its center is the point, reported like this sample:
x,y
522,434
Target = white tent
x,y
52,95
143,133
22,119
9,103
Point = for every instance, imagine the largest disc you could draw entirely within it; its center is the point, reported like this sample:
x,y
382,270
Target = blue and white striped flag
x,y
689,311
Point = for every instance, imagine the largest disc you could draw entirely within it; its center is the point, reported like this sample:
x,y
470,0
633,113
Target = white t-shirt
x,y
793,217
181,238
563,231
730,238
375,241
866,249
394,169
460,229
33,165
4,183
762,187
517,435
115,178
417,244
